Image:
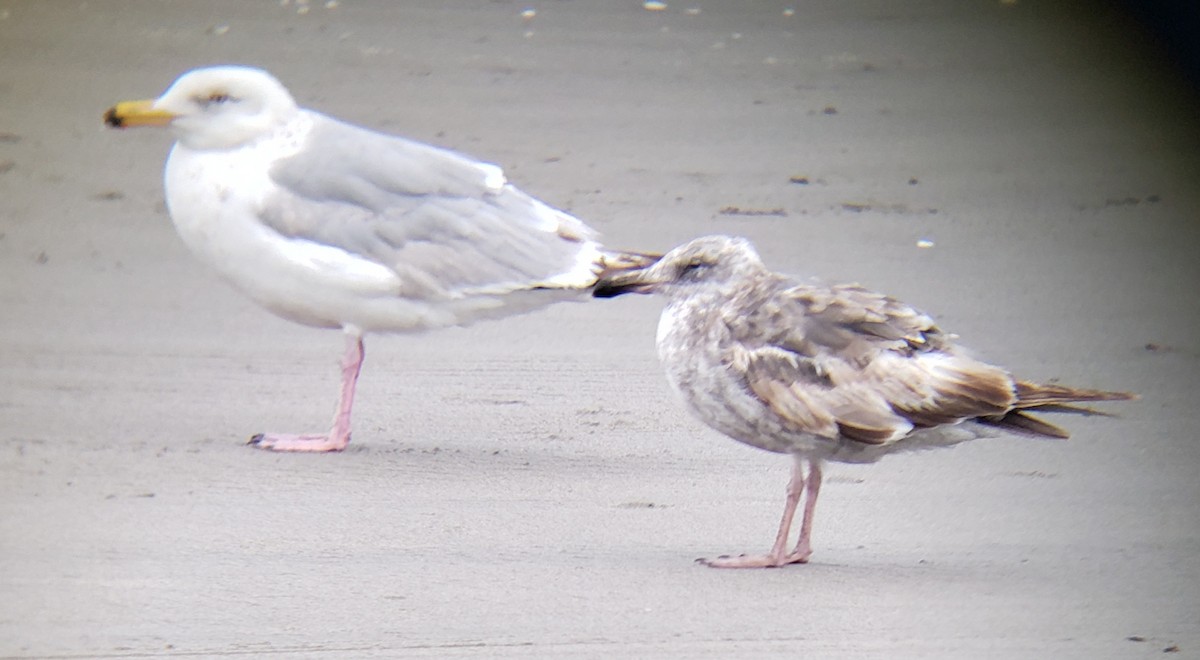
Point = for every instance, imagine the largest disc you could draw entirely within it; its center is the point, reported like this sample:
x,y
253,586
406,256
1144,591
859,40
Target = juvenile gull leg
x,y
777,557
338,436
813,488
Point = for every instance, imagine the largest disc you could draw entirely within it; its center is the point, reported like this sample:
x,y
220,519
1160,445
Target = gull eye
x,y
693,268
213,98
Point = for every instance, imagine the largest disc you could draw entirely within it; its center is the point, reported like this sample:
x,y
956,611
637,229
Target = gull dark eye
x,y
213,98
693,268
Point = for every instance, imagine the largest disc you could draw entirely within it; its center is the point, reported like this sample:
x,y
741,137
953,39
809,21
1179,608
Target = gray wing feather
x,y
433,216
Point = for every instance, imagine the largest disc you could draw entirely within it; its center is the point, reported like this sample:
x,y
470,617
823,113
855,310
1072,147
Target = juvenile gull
x,y
824,373
336,226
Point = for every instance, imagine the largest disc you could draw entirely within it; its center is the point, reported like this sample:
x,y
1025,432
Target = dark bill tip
x,y
606,290
113,119
616,286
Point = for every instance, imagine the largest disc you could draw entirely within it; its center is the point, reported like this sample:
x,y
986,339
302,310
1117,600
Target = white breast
x,y
214,198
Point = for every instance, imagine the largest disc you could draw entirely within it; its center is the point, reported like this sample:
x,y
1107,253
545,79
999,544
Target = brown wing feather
x,y
865,367
793,402
1022,422
902,355
801,394
848,312
934,388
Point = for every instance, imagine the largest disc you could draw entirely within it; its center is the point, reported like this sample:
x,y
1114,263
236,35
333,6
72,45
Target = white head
x,y
708,262
219,107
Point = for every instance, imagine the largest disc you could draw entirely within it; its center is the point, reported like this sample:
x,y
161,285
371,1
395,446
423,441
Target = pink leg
x,y
777,556
804,546
338,436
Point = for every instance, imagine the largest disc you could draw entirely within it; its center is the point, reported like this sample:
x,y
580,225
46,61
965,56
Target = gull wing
x,y
856,364
446,224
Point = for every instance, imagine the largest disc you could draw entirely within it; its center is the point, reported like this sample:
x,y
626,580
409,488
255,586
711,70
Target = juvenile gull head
x,y
711,265
824,373
336,226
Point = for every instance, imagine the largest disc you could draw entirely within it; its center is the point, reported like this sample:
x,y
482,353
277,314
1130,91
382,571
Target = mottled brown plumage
x,y
822,372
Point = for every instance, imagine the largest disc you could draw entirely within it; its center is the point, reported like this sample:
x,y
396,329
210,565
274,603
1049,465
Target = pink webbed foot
x,y
339,436
314,442
778,556
755,561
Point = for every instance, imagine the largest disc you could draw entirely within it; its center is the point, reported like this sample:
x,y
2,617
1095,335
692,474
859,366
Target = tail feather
x,y
612,262
1085,411
1034,395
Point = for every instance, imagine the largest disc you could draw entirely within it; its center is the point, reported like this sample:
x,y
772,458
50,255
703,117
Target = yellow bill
x,y
137,113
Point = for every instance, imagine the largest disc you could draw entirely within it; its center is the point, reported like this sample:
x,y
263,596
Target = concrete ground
x,y
530,487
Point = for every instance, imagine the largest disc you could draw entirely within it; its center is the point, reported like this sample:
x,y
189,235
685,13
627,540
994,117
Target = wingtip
x,y
616,262
1020,421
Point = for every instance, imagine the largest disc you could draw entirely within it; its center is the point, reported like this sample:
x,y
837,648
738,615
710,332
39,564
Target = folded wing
x,y
444,223
863,366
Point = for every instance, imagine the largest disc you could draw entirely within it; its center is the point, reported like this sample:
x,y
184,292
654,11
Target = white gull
x,y
336,226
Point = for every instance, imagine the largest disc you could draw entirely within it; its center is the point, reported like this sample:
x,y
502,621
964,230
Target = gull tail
x,y
1050,399
1033,395
612,262
593,266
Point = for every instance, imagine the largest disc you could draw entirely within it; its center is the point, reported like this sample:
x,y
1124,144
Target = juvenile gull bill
x,y
336,226
824,373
